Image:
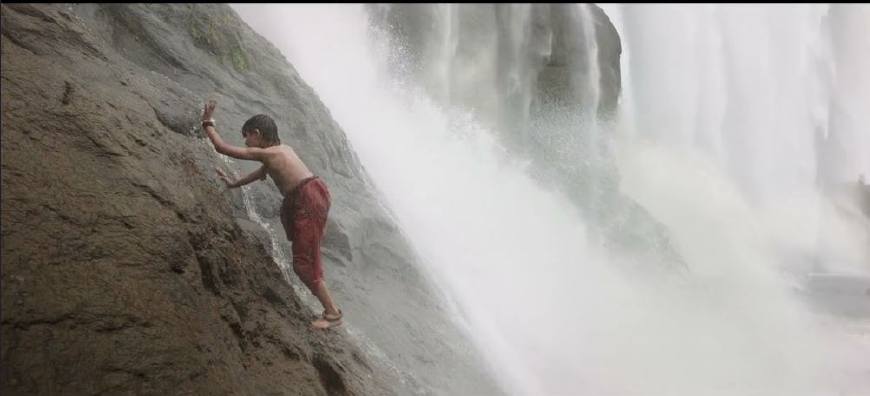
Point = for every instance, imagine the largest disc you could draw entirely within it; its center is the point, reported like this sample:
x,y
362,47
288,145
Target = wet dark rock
x,y
127,267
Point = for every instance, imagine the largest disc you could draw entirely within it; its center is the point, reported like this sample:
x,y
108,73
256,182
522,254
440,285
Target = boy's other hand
x,y
224,177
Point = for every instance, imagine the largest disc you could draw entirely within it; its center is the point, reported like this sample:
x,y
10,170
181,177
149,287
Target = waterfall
x,y
716,140
725,126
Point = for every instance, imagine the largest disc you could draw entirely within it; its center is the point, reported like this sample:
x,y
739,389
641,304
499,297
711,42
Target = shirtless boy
x,y
306,199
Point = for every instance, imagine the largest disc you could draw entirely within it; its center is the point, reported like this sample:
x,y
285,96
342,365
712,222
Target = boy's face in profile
x,y
252,138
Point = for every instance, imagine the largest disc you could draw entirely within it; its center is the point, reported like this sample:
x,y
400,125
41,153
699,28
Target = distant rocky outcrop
x,y
506,62
128,268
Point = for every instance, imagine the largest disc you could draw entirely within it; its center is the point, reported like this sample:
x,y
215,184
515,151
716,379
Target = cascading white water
x,y
724,110
551,312
750,91
730,81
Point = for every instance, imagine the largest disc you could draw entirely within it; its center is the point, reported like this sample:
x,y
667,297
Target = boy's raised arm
x,y
246,153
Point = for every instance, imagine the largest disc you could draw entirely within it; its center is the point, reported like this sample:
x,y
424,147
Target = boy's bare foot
x,y
327,321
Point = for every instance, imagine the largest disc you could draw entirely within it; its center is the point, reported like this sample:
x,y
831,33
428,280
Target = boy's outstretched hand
x,y
208,110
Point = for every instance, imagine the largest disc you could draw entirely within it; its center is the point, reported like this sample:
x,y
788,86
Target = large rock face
x,y
128,268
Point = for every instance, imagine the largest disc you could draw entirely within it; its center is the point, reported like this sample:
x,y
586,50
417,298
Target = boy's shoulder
x,y
283,148
280,150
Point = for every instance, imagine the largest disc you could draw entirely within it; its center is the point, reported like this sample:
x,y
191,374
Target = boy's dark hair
x,y
266,125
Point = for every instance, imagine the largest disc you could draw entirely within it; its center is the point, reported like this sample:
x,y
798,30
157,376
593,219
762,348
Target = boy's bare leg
x,y
322,293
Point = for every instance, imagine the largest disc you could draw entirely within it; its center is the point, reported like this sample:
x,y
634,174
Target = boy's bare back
x,y
285,167
279,160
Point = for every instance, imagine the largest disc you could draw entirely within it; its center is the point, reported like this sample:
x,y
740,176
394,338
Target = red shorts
x,y
303,215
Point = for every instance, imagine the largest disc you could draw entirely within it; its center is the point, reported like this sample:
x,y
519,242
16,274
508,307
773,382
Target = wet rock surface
x,y
128,267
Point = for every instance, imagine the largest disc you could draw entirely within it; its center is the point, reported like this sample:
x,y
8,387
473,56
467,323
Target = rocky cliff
x,y
128,268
